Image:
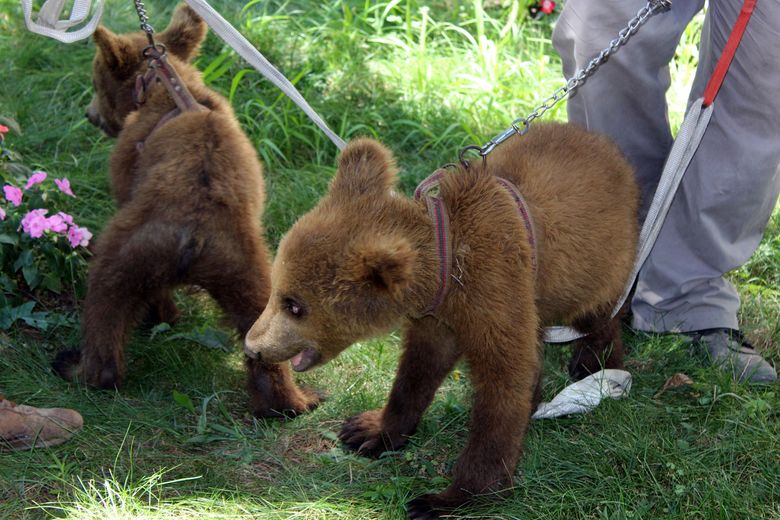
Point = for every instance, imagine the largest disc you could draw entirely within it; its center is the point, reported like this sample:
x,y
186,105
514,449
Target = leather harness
x,y
162,71
443,237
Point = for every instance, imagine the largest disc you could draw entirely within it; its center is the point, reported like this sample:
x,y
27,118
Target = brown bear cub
x,y
189,190
367,258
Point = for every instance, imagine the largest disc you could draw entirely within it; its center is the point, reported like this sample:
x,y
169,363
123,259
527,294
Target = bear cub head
x,y
345,271
119,59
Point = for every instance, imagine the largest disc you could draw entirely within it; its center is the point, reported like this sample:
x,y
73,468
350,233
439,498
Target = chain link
x,y
145,26
521,125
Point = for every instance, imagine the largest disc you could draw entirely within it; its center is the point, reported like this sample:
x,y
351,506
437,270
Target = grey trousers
x,y
731,186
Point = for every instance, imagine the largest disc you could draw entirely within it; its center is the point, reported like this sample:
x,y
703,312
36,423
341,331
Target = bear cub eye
x,y
294,308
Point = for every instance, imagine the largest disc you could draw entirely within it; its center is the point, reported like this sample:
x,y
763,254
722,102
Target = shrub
x,y
42,249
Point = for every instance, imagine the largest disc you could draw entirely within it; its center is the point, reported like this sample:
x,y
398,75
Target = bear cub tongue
x,y
304,359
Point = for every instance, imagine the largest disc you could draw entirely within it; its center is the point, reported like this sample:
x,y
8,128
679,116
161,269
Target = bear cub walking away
x,y
367,258
190,193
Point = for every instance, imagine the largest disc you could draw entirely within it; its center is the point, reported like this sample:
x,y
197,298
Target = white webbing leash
x,y
685,145
48,23
241,45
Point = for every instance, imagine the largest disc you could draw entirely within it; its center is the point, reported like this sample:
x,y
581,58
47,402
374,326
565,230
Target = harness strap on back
x,y
160,69
525,216
441,231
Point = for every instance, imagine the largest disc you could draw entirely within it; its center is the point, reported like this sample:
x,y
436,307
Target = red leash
x,y
713,86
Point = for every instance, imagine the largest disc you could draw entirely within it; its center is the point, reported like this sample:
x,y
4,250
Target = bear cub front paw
x,y
363,433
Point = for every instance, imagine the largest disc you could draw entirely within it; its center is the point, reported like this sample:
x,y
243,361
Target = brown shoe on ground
x,y
24,427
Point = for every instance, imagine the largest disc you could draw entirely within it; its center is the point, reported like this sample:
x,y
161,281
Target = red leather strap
x,y
716,80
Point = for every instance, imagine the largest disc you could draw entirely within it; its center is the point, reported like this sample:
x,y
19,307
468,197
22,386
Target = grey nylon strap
x,y
685,145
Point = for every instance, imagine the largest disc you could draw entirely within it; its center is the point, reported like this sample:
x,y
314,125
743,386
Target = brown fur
x,y
364,260
189,213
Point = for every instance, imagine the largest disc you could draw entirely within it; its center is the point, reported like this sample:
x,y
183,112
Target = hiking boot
x,y
24,427
729,350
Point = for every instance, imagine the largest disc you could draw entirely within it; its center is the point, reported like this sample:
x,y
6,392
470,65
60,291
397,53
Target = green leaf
x,y
53,283
12,240
184,401
159,329
24,259
7,283
24,312
31,275
208,438
203,419
6,319
39,320
224,429
207,337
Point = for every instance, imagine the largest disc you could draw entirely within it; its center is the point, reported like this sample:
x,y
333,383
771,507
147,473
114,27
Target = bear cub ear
x,y
387,263
365,167
118,53
185,33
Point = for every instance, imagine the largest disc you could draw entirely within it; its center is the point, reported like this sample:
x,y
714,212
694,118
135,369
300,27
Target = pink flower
x,y
64,186
56,223
78,236
13,194
35,223
66,218
36,178
547,6
2,214
4,129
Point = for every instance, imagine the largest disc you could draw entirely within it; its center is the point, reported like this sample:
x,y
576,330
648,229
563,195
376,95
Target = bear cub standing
x,y
190,193
365,259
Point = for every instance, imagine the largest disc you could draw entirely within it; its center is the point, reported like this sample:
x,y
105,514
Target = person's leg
x,y
729,191
626,98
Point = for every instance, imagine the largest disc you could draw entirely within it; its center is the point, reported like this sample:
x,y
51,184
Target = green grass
x,y
425,81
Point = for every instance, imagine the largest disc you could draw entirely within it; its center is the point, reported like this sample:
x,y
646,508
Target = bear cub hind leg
x,y
242,292
601,348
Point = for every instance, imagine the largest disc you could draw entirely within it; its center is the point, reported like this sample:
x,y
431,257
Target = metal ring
x,y
524,130
463,151
159,48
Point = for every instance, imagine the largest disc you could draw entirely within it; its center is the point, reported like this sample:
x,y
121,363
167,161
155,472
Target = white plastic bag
x,y
584,395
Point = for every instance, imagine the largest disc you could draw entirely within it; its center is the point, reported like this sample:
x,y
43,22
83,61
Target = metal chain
x,y
521,125
145,26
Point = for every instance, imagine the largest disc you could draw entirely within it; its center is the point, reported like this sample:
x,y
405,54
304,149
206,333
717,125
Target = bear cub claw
x,y
363,433
68,364
307,400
